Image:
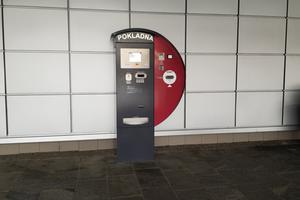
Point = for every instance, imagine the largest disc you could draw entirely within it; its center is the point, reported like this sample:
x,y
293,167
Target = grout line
x,y
98,10
4,70
137,179
114,93
113,52
185,62
57,94
236,63
70,66
35,7
129,9
56,51
150,12
233,54
169,183
284,70
261,16
157,12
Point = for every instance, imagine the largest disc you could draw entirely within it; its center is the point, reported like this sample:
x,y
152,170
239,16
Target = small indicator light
x,y
161,56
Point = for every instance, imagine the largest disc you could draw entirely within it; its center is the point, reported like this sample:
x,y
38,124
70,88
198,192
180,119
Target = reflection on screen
x,y
135,57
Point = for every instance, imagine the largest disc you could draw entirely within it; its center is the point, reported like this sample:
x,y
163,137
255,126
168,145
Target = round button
x,y
169,77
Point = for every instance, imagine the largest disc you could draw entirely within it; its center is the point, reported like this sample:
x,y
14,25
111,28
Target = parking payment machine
x,y
150,79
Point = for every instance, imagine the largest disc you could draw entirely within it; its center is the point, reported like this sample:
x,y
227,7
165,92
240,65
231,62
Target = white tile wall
x,y
169,25
100,4
158,5
91,31
211,34
294,7
52,3
47,29
210,110
261,35
93,73
2,117
35,29
260,73
293,39
212,6
259,109
292,108
2,90
292,73
37,72
175,120
94,113
210,73
263,7
38,115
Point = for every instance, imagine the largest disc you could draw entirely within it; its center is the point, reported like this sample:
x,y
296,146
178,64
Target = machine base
x,y
135,144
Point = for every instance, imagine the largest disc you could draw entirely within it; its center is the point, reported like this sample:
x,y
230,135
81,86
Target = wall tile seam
x,y
237,15
188,53
185,64
4,71
59,94
188,92
73,52
285,63
63,8
141,11
235,117
70,68
238,91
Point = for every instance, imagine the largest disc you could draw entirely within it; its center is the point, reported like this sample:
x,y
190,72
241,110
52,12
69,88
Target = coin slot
x,y
169,77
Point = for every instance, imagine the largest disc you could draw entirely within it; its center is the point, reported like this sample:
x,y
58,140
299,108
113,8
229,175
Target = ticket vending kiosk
x,y
150,79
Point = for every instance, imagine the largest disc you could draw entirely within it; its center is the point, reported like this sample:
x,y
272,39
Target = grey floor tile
x,y
212,181
9,180
56,194
258,192
130,198
14,195
181,179
123,186
145,165
198,194
89,189
36,184
163,193
290,192
149,178
226,193
92,167
117,169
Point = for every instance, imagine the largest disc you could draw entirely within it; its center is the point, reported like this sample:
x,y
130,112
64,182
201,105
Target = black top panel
x,y
136,35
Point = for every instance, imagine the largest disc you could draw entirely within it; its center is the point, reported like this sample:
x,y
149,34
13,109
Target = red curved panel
x,y
167,60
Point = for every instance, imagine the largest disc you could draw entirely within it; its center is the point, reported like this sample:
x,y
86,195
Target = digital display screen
x,y
135,57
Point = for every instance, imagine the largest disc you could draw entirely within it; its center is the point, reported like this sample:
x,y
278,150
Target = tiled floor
x,y
228,172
